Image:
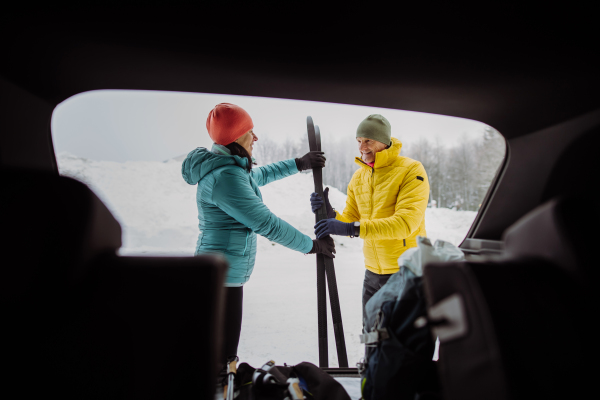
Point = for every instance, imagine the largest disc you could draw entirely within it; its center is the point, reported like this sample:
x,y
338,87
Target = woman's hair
x,y
238,150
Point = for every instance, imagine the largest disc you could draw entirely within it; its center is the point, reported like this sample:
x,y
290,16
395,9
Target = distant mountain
x,y
178,158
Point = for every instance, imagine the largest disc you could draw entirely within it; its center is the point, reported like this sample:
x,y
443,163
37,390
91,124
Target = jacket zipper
x,y
372,193
373,210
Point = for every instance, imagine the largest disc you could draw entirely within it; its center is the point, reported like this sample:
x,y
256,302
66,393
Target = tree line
x,y
459,175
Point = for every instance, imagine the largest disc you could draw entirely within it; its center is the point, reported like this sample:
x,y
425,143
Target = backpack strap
x,y
378,333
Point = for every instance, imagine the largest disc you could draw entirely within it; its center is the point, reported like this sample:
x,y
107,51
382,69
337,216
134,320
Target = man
x,y
387,198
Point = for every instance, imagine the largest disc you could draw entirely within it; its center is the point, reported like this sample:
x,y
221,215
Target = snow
x,y
157,211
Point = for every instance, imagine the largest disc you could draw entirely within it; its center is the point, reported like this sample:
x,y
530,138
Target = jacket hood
x,y
384,157
201,161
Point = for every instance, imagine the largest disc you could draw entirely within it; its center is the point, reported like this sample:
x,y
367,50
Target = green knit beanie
x,y
375,127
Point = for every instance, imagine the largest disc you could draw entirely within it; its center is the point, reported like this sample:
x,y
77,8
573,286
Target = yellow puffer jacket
x,y
389,200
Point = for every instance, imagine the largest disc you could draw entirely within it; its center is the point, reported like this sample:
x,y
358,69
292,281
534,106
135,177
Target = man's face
x,y
368,148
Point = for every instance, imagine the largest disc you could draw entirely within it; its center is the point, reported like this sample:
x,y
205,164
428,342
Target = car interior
x,y
83,322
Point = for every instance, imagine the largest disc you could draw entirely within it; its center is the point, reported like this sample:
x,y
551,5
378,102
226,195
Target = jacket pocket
x,y
239,243
245,252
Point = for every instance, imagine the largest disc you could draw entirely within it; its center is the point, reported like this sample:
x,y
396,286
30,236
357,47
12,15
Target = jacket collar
x,y
385,157
220,149
224,151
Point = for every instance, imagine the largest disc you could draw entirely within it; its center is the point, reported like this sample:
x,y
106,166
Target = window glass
x,y
128,146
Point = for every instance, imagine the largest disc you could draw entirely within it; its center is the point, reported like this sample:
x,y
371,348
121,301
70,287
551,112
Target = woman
x,y
230,207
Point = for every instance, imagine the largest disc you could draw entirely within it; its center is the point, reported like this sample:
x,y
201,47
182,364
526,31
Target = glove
x,y
312,159
316,202
332,226
323,246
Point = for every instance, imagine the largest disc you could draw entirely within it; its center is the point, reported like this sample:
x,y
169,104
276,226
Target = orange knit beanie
x,y
227,122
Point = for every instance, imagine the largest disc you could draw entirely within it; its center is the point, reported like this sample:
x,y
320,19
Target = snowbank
x,y
156,208
445,224
157,211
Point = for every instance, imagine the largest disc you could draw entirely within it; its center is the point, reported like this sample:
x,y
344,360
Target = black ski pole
x,y
231,371
326,271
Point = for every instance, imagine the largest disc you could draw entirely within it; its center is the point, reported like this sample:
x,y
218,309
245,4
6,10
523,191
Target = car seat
x,y
521,326
82,322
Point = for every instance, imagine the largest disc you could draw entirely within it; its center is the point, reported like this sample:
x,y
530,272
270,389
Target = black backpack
x,y
398,357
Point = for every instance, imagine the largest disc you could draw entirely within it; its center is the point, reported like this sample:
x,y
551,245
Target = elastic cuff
x,y
313,249
350,229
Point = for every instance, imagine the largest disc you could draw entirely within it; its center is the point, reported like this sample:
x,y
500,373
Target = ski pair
x,y
325,272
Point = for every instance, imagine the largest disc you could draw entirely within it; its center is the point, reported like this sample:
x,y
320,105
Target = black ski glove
x,y
316,202
323,246
312,159
332,226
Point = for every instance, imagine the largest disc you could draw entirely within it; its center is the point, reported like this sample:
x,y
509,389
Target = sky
x,y
137,125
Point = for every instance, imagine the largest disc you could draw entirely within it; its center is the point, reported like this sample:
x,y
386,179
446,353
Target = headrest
x,y
52,226
560,231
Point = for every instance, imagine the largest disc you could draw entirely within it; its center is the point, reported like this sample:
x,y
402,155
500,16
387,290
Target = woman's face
x,y
247,141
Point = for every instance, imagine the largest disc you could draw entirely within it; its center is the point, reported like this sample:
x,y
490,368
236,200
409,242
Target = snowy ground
x,y
157,211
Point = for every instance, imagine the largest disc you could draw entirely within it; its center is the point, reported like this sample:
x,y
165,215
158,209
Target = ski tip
x,y
309,120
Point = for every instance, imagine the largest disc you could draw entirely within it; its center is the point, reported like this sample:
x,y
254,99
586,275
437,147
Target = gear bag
x,y
276,382
399,353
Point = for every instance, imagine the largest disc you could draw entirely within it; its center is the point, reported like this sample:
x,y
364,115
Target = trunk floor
x,y
352,386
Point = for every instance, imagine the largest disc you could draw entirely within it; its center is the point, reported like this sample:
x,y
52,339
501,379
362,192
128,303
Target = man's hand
x,y
332,226
312,159
323,246
316,202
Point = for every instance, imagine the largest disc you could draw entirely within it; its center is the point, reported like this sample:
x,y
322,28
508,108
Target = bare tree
x,y
340,165
459,176
267,151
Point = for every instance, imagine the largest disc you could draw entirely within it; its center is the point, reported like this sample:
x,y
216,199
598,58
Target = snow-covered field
x,y
157,211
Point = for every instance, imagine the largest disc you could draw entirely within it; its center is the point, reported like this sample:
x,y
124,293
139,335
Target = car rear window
x,y
128,146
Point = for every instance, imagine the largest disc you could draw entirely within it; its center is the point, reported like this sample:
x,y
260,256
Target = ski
x,y
326,273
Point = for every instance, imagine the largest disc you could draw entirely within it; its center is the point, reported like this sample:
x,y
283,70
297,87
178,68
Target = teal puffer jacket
x,y
231,211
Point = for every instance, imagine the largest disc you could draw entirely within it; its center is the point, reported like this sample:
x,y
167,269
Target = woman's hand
x,y
323,246
312,159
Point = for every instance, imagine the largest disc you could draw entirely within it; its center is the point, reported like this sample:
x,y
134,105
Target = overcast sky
x,y
119,125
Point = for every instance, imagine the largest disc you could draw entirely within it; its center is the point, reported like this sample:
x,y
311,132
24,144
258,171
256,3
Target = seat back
x,y
82,322
519,327
560,231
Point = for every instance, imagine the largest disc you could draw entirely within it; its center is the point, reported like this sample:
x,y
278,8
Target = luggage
x,y
399,346
398,361
276,382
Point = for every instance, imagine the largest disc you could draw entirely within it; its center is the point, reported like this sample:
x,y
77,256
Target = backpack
x,y
398,354
276,382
